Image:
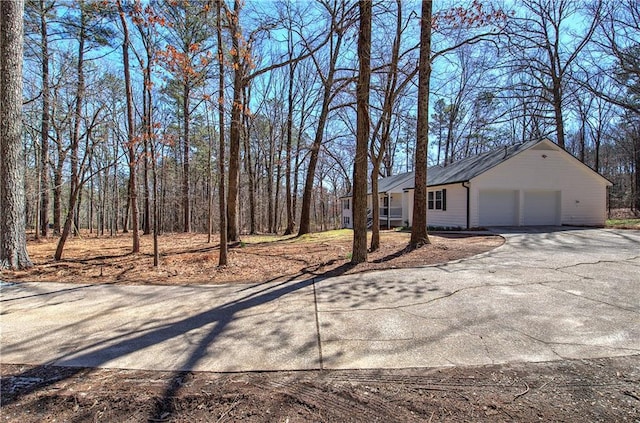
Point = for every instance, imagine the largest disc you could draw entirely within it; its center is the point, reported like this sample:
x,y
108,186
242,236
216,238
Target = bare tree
x,y
290,104
419,224
187,56
538,41
88,31
222,259
131,139
42,10
393,85
13,239
340,22
359,250
618,38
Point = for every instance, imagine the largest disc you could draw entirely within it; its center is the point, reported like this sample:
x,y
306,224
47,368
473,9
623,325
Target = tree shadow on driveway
x,y
105,350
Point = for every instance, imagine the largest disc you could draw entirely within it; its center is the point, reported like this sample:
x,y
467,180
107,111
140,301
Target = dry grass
x,y
189,259
623,223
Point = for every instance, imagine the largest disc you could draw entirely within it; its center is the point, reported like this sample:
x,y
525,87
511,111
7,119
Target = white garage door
x,y
541,208
498,208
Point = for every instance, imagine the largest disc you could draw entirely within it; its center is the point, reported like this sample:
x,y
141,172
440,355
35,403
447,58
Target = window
x,y
346,221
437,200
345,204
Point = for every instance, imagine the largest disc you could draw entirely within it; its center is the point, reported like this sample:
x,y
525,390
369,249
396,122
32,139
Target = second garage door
x,y
498,207
541,208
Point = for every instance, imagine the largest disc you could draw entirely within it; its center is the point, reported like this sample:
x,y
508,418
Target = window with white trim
x,y
437,200
345,204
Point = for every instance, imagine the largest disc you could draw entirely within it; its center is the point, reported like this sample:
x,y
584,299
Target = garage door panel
x,y
498,207
541,208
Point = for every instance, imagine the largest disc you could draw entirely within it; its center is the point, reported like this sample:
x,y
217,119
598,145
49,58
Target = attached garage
x,y
533,184
541,208
498,207
536,183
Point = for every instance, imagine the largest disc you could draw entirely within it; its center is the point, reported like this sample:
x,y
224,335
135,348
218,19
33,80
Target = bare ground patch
x,y
569,390
190,259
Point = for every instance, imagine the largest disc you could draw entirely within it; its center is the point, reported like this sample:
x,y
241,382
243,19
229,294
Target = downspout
x,y
468,202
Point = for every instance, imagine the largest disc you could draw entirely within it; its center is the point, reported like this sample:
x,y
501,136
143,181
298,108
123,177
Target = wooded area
x,y
176,116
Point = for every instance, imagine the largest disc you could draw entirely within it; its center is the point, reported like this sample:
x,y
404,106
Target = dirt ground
x,y
190,259
599,390
565,390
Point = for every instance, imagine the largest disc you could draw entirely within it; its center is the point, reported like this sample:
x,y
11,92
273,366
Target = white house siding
x,y
455,216
582,192
347,213
407,205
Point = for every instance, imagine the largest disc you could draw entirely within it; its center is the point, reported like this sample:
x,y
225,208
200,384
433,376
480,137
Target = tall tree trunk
x,y
270,161
307,194
222,260
383,130
305,214
156,218
276,200
66,230
636,158
131,143
76,215
250,165
557,111
13,239
236,124
186,207
90,206
102,196
359,250
75,139
125,218
57,186
597,141
289,194
146,227
209,190
116,191
296,164
419,225
44,131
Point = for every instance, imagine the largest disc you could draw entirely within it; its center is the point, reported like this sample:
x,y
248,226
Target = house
x,y
533,183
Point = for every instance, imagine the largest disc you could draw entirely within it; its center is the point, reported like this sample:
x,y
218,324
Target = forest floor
x,y
190,259
565,390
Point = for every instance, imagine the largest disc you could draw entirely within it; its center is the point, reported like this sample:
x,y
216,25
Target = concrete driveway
x,y
544,295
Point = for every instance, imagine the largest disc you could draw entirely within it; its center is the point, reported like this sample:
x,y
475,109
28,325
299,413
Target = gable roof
x,y
468,168
399,181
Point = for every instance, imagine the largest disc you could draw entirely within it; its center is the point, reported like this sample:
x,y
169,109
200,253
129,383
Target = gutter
x,y
466,185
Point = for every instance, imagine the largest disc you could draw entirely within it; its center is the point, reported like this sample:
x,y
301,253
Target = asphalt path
x,y
546,294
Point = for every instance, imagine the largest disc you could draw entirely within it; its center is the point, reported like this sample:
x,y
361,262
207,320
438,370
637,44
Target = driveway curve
x,y
546,294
